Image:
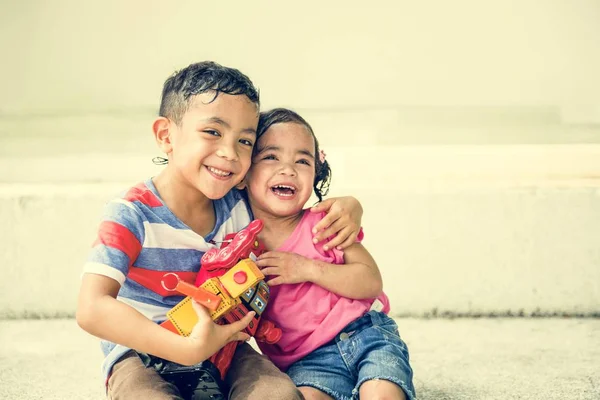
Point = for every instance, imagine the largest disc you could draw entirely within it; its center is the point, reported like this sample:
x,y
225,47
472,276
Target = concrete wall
x,y
457,229
69,55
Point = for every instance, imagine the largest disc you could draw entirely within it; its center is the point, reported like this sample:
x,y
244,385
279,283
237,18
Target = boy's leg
x,y
253,377
130,379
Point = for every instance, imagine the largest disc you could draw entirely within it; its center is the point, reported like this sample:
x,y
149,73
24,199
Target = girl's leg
x,y
382,360
381,389
310,393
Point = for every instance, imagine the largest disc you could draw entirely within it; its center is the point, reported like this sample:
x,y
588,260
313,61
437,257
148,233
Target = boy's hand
x,y
343,218
207,337
286,267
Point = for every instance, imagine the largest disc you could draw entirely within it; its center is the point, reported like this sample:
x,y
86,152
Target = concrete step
x,y
460,230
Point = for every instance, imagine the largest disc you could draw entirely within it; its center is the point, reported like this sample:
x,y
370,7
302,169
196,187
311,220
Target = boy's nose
x,y
227,152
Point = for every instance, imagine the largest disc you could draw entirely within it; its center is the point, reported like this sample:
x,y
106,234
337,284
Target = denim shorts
x,y
366,349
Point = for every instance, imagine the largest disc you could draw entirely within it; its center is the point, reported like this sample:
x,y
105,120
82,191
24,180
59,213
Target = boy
x,y
207,128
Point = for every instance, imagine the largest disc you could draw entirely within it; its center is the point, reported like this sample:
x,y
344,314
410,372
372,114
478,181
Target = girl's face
x,y
280,180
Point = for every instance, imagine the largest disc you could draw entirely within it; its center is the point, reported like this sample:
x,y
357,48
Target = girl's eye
x,y
211,132
246,142
305,162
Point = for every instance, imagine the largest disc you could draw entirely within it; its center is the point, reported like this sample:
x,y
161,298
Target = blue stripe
x,y
110,256
162,215
126,216
169,259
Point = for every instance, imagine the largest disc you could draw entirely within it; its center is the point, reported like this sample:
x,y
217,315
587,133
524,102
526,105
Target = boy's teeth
x,y
218,171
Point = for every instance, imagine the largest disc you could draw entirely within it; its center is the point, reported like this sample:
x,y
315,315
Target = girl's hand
x,y
207,337
285,267
343,219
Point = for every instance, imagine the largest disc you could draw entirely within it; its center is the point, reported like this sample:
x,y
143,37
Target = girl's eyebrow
x,y
306,153
269,148
277,148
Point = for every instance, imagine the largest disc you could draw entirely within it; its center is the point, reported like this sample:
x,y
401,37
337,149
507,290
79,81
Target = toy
x,y
230,285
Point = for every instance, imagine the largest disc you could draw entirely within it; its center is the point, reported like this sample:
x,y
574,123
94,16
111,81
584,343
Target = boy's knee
x,y
267,387
286,390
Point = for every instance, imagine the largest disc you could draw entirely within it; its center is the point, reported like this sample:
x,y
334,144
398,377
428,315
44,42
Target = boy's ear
x,y
162,134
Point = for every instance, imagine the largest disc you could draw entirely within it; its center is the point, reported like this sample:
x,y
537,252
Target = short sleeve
x,y
119,241
339,254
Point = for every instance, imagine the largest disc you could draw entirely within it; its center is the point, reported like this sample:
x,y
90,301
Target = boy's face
x,y
280,181
211,149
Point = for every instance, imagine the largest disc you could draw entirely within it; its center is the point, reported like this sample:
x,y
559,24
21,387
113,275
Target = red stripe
x,y
116,236
153,280
144,195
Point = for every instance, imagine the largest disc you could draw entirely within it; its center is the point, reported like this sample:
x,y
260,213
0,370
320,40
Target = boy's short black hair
x,y
198,78
284,115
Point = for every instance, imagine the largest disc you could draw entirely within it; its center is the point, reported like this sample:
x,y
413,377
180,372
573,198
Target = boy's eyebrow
x,y
217,120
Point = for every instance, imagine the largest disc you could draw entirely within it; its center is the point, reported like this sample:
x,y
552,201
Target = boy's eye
x,y
246,142
211,132
269,157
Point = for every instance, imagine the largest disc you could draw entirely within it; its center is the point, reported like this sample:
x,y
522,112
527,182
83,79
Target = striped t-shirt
x,y
140,240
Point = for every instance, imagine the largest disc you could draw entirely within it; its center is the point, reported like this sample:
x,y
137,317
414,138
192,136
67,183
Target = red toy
x,y
230,285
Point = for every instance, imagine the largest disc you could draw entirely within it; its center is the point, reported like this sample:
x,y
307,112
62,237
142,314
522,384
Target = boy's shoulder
x,y
143,193
136,204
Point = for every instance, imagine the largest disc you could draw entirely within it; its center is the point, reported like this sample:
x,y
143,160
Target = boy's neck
x,y
276,230
188,204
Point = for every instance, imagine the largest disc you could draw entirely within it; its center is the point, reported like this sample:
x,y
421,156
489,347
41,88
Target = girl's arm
x,y
358,278
342,222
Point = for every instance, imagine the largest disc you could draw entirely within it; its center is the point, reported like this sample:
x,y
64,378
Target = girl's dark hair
x,y
283,115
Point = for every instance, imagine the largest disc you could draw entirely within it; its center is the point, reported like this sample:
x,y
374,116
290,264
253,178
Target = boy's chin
x,y
216,193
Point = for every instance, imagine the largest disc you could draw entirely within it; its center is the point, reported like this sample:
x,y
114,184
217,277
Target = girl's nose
x,y
287,169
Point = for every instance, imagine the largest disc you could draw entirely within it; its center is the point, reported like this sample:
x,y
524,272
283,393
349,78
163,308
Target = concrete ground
x,y
501,358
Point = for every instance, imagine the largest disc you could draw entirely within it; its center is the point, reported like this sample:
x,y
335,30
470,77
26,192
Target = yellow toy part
x,y
241,277
184,318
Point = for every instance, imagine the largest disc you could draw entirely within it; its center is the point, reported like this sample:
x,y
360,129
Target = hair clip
x,y
322,156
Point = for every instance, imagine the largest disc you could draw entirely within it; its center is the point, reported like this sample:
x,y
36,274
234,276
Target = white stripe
x,y
124,202
111,358
103,269
238,220
164,236
152,312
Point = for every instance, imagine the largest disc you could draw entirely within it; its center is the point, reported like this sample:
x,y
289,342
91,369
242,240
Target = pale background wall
x,y
469,130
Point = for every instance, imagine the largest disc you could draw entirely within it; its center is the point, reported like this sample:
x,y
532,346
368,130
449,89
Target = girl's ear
x,y
162,134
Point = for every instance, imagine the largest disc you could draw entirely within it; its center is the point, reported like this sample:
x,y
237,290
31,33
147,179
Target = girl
x,y
337,340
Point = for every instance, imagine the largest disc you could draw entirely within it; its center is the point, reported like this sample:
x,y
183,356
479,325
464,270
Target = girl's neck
x,y
276,230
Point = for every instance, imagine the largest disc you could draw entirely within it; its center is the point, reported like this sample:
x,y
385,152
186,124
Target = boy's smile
x,y
281,178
